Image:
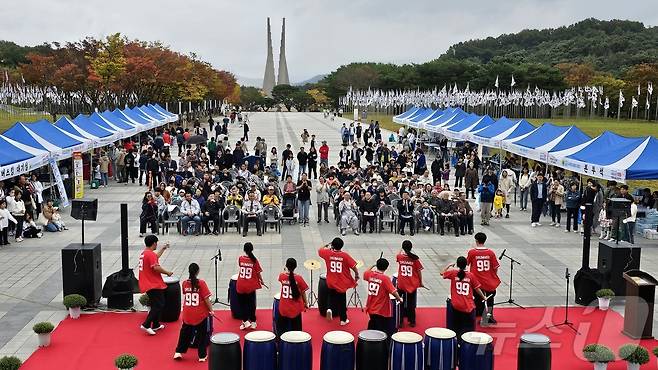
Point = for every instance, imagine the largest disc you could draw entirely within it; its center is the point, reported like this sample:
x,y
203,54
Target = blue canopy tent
x,y
22,134
419,116
139,122
99,137
604,156
103,122
502,129
466,128
68,143
548,137
153,122
400,117
435,114
123,124
640,164
153,114
446,118
441,115
86,124
16,159
172,117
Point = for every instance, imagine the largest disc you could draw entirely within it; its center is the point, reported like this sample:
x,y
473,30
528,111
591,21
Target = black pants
x,y
555,212
19,226
286,324
462,322
247,221
471,190
459,180
572,214
215,222
313,169
156,300
144,222
198,333
323,206
247,304
141,175
479,305
407,220
368,220
337,302
466,224
455,223
3,236
408,305
537,206
382,324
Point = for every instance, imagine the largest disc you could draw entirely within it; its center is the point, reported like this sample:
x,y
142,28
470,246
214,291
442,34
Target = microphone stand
x,y
566,321
510,300
217,258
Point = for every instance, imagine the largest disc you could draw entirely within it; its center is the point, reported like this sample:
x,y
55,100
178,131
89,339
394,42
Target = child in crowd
x,y
426,215
604,222
499,203
5,217
30,229
445,174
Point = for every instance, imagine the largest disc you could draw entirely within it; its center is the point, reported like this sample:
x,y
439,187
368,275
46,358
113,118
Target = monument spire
x,y
283,65
268,79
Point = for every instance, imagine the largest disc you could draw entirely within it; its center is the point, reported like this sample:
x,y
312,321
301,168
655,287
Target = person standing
x,y
406,213
484,265
572,202
538,195
556,197
245,128
463,286
378,305
304,198
249,281
313,163
293,299
151,282
197,310
506,185
324,153
460,172
410,278
322,190
630,222
104,162
302,159
487,193
524,185
149,215
340,266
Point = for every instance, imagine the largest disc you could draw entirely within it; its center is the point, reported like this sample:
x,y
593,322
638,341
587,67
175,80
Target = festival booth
x,y
448,117
472,123
420,115
60,146
152,115
546,138
171,116
500,130
123,124
437,113
399,119
17,158
86,124
98,136
129,117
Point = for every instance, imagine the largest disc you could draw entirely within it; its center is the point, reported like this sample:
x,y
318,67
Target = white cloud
x,y
321,35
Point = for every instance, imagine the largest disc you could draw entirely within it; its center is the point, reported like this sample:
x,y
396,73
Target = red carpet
x,y
93,341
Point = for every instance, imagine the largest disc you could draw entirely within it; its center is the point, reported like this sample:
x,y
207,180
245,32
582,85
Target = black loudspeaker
x,y
119,288
619,207
614,260
82,271
85,208
586,282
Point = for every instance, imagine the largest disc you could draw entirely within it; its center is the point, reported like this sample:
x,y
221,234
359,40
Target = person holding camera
x,y
303,198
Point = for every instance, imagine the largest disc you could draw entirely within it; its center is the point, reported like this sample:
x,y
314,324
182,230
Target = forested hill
x,y
609,46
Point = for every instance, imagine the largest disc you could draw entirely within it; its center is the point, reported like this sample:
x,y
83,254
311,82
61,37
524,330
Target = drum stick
x,y
424,287
216,318
265,285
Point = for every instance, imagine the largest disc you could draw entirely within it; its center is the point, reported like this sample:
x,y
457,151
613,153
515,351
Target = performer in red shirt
x,y
197,310
378,305
293,299
151,283
462,285
339,278
410,278
249,280
484,265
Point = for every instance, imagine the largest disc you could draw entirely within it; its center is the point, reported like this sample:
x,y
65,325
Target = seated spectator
x,y
30,229
270,198
251,212
234,198
426,215
447,211
191,213
211,212
406,213
53,219
348,211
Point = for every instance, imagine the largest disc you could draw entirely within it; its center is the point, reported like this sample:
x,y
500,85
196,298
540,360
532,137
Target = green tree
x,y
302,100
250,97
283,94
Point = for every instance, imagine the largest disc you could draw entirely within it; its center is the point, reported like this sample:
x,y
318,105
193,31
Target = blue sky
x,y
321,35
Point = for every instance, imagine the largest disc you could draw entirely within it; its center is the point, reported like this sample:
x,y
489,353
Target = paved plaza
x,y
31,276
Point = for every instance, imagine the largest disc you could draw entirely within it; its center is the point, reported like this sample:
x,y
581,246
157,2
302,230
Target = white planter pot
x,y
631,366
44,339
604,304
74,312
600,365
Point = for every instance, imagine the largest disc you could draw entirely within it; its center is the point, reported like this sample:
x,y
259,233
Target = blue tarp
x,y
20,133
400,117
449,116
90,132
92,127
546,138
9,154
55,136
118,121
643,166
150,112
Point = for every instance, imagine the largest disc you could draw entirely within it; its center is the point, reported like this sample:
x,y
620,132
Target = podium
x,y
640,296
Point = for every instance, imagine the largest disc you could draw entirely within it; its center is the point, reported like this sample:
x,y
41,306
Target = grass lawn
x,y
591,127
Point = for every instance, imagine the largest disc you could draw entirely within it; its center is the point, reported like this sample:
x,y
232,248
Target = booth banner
x,y
64,199
603,172
78,178
15,169
523,151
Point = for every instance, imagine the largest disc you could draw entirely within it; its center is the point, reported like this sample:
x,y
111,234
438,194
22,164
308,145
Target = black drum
x,y
323,294
225,352
534,352
172,300
371,351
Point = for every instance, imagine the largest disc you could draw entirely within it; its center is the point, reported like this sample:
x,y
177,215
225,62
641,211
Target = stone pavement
x,y
30,272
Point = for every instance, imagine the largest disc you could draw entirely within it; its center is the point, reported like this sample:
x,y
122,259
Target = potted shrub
x,y
599,355
43,330
125,362
73,302
144,301
634,355
10,363
604,296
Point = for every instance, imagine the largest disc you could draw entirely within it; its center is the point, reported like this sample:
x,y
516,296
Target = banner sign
x,y
78,178
64,199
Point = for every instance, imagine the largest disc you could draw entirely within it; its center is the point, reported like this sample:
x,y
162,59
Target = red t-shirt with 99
x,y
408,268
461,291
288,306
379,288
339,265
194,307
148,277
484,265
248,275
